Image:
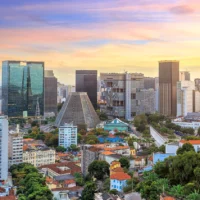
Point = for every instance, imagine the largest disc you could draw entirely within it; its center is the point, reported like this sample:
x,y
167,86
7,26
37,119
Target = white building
x,y
183,124
67,135
185,97
4,148
15,147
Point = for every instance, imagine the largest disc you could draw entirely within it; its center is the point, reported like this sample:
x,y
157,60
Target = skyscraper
x,y
22,88
168,78
50,92
86,81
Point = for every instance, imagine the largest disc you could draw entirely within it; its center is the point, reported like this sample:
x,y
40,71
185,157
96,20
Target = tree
x,y
99,169
88,192
125,163
73,147
177,191
79,138
60,149
106,185
186,147
91,139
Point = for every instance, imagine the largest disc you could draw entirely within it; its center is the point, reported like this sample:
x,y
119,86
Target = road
x,y
133,196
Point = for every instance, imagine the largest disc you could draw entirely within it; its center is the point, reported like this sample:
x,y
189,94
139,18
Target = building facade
x,y
168,78
119,93
185,97
4,148
184,76
86,81
15,148
39,157
22,88
50,92
145,102
67,135
196,101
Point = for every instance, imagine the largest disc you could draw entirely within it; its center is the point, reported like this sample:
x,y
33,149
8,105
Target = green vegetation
x,y
59,106
73,148
185,148
102,115
30,184
88,192
125,163
60,149
99,169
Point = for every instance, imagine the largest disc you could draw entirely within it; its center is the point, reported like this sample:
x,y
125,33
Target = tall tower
x,y
168,78
50,92
22,84
86,81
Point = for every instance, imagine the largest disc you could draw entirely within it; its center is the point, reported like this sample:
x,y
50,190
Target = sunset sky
x,y
107,35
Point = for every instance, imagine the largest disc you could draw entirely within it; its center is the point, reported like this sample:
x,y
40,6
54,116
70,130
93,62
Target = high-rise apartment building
x,y
168,78
67,135
50,92
118,91
184,76
4,148
22,88
15,147
86,81
185,97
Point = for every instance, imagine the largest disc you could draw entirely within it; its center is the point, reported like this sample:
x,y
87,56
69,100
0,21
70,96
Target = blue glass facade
x,y
22,88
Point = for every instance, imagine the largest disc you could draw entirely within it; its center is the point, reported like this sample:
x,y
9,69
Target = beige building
x,y
168,78
38,157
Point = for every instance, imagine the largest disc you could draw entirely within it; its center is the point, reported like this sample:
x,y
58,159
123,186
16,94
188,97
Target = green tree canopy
x,y
186,147
125,163
99,169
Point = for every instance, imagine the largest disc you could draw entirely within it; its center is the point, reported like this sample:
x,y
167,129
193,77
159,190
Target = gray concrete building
x,y
118,91
79,110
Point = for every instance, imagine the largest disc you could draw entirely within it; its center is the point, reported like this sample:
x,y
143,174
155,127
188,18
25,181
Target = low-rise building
x,y
110,138
186,124
37,153
159,157
61,171
67,135
116,125
118,181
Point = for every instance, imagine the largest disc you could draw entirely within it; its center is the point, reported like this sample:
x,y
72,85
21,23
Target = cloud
x,y
182,10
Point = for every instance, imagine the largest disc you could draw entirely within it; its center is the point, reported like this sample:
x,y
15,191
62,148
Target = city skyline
x,y
106,36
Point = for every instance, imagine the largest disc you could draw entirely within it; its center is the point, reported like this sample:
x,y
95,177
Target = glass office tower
x,y
22,88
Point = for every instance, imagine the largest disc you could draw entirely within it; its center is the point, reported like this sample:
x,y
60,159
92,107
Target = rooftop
x,y
63,168
190,141
107,153
120,176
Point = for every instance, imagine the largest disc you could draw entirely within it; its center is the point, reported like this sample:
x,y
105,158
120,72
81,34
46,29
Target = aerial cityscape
x,y
99,100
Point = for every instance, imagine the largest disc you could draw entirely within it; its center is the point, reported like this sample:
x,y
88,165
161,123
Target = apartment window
x,y
133,96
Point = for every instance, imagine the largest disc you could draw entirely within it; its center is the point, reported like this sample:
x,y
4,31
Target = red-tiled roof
x,y
73,167
190,141
120,176
168,198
